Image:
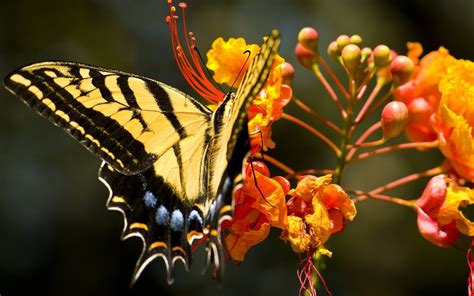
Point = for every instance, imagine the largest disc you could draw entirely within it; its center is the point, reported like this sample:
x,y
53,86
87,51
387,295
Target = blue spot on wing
x,y
194,215
150,199
162,216
177,221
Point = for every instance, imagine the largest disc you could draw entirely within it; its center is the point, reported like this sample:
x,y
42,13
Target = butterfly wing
x,y
154,141
127,120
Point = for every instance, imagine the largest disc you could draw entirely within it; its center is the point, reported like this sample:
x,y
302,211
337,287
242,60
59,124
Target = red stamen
x,y
470,262
189,63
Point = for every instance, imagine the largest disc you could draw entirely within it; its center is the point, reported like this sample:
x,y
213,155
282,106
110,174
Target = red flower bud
x,y
402,69
287,73
309,38
419,111
394,119
305,57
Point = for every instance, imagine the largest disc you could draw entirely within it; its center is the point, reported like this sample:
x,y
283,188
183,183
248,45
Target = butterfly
x,y
169,162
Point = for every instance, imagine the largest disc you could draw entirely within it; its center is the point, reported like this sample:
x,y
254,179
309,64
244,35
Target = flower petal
x,y
334,197
296,234
456,197
227,58
239,244
441,236
433,196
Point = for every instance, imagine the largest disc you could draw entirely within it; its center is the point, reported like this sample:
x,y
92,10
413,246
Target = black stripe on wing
x,y
91,128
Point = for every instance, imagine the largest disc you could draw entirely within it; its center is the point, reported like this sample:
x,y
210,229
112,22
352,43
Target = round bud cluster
x,y
306,50
347,51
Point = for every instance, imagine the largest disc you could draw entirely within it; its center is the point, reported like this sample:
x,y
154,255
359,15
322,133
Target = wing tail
x,y
153,212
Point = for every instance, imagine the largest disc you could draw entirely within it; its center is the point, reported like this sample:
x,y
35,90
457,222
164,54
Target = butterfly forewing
x,y
127,120
231,116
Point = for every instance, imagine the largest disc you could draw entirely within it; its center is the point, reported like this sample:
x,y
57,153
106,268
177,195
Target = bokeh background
x,y
57,238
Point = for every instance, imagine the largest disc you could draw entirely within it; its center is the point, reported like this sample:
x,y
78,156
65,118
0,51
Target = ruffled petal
x,y
226,59
457,197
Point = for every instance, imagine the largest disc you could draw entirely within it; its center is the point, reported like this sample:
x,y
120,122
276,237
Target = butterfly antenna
x,y
207,70
248,53
260,133
256,183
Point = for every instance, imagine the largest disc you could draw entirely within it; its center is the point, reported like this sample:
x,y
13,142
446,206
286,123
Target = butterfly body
x,y
169,162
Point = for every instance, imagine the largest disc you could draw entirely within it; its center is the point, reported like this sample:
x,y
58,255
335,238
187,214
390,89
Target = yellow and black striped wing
x,y
127,120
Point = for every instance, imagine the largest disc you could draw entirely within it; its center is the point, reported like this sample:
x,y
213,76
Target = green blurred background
x,y
57,238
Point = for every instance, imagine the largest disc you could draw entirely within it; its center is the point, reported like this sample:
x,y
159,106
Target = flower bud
x,y
402,69
366,52
342,41
419,111
356,39
394,119
351,57
333,51
381,56
307,58
287,73
309,38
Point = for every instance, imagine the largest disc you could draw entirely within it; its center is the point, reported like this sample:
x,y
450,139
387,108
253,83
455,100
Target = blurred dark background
x,y
57,238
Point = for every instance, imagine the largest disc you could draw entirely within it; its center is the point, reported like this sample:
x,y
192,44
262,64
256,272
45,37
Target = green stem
x,y
346,133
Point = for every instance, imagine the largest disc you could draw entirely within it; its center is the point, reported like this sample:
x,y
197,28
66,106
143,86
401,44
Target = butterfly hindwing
x,y
152,211
127,120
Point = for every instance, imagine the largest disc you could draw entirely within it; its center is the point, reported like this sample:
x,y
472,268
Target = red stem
x,y
421,145
278,164
308,172
362,138
316,115
334,77
329,89
312,130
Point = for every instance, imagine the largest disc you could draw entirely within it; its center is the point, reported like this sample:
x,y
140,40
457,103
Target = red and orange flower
x,y
257,207
316,210
440,219
454,122
421,93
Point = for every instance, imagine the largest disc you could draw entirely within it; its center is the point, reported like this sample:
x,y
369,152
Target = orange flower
x,y
316,210
421,94
267,107
440,220
454,122
254,214
226,59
